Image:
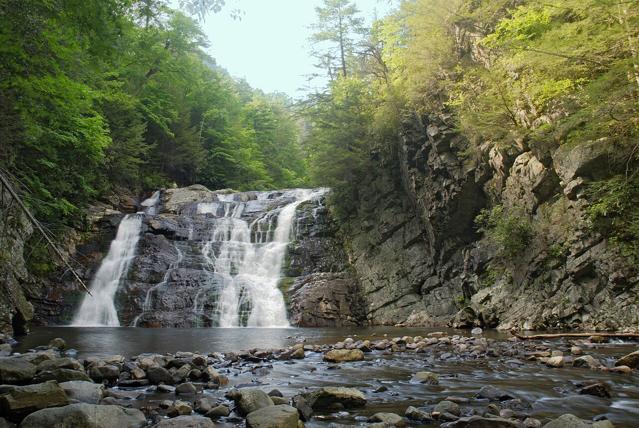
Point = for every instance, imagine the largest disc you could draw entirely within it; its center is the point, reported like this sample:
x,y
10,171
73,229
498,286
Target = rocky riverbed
x,y
434,380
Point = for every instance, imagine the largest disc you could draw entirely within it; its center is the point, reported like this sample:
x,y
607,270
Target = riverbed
x,y
385,377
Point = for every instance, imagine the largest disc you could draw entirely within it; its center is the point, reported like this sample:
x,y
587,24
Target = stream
x,y
546,392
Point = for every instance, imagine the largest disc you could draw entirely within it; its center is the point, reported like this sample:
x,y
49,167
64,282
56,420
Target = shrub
x,y
510,231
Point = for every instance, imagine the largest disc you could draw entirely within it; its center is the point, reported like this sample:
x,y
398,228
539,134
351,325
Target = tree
x,y
337,30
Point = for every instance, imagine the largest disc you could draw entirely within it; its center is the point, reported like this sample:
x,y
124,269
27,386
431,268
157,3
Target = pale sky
x,y
268,46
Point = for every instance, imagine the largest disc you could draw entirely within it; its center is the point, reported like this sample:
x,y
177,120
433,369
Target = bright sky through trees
x,y
269,45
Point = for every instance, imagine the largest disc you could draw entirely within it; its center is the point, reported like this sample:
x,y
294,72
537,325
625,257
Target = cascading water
x,y
248,261
206,259
98,309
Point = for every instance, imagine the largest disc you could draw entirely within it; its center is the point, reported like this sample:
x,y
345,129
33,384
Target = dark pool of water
x,y
551,392
130,341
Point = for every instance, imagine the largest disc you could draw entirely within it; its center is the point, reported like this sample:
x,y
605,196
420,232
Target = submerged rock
x,y
281,416
84,415
481,422
388,419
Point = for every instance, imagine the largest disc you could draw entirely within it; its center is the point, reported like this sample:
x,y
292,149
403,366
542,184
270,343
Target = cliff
x,y
536,263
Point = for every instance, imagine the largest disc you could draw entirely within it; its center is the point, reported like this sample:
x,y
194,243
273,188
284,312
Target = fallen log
x,y
563,335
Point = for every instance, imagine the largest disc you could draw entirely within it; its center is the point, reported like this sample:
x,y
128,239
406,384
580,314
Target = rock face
x,y
420,259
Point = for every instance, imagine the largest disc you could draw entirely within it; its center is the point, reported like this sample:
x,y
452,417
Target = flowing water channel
x,y
549,392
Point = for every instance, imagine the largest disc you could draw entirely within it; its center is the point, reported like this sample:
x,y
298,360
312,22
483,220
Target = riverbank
x,y
437,379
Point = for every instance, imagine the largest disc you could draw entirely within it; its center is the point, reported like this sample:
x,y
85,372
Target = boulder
x,y
179,408
185,388
415,414
16,371
218,412
572,421
597,389
328,397
60,363
105,373
58,343
158,375
250,400
427,377
388,419
447,407
281,416
83,415
494,394
555,362
61,375
19,401
186,422
587,361
85,392
630,360
343,355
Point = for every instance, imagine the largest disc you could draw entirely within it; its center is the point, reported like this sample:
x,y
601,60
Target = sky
x,y
269,45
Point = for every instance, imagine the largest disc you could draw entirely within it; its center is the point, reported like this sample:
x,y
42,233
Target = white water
x,y
250,270
98,310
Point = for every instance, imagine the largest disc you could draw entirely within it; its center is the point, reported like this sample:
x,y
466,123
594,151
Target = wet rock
x,y
305,411
105,373
58,343
586,361
476,331
343,355
185,388
61,375
597,389
413,413
250,400
619,369
447,407
630,360
203,405
427,377
555,362
186,421
18,401
481,422
572,421
279,400
179,408
60,363
85,392
84,415
576,350
16,371
388,419
158,375
531,423
281,416
328,397
494,394
218,411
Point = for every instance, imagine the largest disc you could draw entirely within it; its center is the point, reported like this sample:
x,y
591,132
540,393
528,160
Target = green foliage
x,y
511,232
614,212
101,94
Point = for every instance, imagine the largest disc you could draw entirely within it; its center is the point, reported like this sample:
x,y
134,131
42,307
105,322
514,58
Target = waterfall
x,y
247,270
99,309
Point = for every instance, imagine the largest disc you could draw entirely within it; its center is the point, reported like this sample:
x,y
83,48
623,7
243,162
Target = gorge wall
x,y
421,260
